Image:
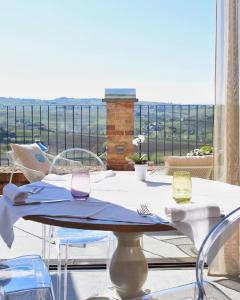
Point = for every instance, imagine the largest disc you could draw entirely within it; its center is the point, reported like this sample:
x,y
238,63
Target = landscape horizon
x,y
13,101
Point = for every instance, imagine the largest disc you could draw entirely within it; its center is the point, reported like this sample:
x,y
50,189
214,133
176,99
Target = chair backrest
x,y
198,166
30,174
76,158
217,237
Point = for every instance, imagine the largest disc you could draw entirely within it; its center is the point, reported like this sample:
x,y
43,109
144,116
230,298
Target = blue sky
x,y
76,48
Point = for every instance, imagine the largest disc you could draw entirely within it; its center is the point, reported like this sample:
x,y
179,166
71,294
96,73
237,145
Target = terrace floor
x,y
164,248
84,284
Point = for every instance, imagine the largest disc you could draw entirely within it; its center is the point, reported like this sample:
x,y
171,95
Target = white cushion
x,y
32,157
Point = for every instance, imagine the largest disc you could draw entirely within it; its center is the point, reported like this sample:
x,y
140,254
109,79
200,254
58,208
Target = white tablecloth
x,y
96,207
127,193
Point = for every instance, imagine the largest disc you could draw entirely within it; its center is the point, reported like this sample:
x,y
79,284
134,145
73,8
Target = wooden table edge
x,y
95,225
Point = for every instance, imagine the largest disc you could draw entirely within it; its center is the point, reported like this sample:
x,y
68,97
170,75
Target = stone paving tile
x,y
28,240
84,284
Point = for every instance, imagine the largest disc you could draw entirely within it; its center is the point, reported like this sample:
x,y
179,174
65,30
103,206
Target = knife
x,y
40,202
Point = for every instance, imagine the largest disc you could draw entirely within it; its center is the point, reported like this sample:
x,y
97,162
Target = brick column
x,y
120,129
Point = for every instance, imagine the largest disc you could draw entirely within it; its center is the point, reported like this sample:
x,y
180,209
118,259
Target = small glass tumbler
x,y
182,187
80,185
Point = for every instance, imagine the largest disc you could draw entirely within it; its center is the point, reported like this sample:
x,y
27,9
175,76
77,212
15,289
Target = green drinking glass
x,y
182,187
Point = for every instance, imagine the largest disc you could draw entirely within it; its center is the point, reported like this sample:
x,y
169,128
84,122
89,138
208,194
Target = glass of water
x,y
80,185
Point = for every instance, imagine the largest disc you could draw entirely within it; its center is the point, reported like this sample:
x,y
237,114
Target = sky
x,y
77,48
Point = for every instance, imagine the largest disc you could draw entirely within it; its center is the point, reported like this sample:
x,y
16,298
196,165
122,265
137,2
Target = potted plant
x,y
139,160
204,150
199,162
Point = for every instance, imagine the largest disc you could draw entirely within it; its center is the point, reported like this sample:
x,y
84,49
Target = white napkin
x,y
191,212
103,175
14,193
55,177
194,220
109,173
97,176
49,192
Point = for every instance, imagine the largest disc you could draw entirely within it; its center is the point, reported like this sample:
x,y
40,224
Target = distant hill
x,y
60,101
57,101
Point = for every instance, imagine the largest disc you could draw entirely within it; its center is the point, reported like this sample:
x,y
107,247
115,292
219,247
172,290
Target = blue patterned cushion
x,y
40,158
32,157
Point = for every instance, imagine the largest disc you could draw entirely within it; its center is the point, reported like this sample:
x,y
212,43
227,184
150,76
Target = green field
x,y
169,129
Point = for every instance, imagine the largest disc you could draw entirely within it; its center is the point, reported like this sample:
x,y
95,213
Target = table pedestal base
x,y
128,267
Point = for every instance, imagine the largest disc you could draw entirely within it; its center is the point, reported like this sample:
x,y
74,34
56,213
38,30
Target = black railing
x,y
58,127
172,129
169,129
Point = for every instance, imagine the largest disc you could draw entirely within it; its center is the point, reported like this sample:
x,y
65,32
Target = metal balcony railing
x,y
169,129
58,127
172,129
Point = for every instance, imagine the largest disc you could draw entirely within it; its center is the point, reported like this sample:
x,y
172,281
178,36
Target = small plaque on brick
x,y
119,149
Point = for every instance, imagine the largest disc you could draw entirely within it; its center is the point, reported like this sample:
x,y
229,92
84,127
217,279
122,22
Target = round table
x,y
128,267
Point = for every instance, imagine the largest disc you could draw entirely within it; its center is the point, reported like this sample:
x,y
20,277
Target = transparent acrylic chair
x,y
204,289
65,163
32,176
25,278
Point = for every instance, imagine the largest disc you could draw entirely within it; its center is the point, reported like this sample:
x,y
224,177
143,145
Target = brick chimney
x,y
120,127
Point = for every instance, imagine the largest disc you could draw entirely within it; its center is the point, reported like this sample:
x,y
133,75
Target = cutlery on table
x,y
40,202
144,212
36,190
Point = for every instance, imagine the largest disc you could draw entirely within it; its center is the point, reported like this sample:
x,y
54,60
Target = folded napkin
x,y
14,193
109,173
193,220
49,192
55,177
103,175
192,212
97,176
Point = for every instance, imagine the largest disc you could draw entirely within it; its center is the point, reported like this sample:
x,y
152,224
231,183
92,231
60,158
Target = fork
x,y
144,212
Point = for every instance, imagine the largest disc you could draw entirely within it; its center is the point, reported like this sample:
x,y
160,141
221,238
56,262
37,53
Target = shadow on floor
x,y
83,284
231,283
73,293
184,244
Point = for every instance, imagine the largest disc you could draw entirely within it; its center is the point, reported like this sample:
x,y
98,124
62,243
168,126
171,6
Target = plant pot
x,y
141,171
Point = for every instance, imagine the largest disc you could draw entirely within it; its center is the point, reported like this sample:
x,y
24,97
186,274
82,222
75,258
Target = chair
x,y
64,163
203,289
18,163
25,278
198,166
18,158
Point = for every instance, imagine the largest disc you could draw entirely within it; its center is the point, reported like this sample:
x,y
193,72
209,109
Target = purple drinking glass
x,y
80,185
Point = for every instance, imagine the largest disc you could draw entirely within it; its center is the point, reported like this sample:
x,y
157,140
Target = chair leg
x,y
59,274
44,241
12,173
111,247
65,272
2,293
49,240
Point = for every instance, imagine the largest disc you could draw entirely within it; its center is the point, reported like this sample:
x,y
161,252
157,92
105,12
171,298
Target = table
x,y
128,268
